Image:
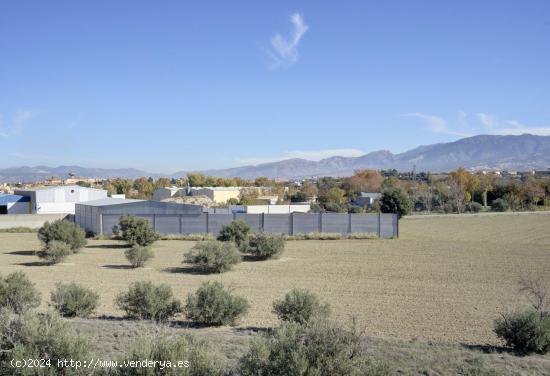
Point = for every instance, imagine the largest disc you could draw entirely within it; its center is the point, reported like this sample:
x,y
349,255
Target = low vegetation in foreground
x,y
336,322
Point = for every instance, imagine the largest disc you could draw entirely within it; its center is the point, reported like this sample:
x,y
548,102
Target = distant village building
x,y
59,199
366,199
219,195
168,192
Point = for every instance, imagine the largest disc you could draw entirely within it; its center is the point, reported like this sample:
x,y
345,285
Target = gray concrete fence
x,y
382,225
30,220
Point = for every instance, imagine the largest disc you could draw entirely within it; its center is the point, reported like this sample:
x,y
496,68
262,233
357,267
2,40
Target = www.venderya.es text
x,y
98,363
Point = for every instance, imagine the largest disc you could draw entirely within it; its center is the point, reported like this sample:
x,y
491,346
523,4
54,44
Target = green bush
x,y
525,332
73,300
355,209
137,231
237,231
138,255
334,207
394,200
473,207
300,306
18,293
213,305
63,231
44,336
499,205
213,256
180,349
55,251
319,348
265,246
147,301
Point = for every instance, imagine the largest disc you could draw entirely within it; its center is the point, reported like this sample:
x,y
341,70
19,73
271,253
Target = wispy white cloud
x,y
16,125
284,51
312,155
20,120
510,127
436,124
487,120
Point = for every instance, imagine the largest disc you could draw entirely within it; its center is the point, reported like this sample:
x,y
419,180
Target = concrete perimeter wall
x,y
383,225
29,220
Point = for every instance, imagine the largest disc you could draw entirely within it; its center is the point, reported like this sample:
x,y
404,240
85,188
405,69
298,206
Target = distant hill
x,y
479,152
522,152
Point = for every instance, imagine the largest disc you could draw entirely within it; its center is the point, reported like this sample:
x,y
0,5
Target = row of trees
x,y
458,191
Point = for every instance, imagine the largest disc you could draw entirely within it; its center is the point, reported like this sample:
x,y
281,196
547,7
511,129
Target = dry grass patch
x,y
445,279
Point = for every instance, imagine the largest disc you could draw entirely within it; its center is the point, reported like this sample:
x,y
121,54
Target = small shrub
x,y
63,231
265,246
334,207
317,348
137,231
55,251
394,200
147,301
18,293
355,209
237,231
45,336
174,350
213,256
449,208
525,332
473,207
300,306
213,305
138,255
73,300
499,205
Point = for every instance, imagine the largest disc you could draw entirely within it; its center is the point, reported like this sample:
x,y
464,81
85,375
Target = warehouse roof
x,y
108,201
5,199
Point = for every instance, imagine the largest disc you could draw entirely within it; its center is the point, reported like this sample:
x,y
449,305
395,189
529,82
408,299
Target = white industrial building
x,y
14,204
168,192
59,199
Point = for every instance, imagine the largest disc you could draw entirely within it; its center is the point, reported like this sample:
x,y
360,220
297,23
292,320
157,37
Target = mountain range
x,y
483,152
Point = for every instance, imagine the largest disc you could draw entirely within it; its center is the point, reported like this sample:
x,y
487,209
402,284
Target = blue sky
x,y
173,85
